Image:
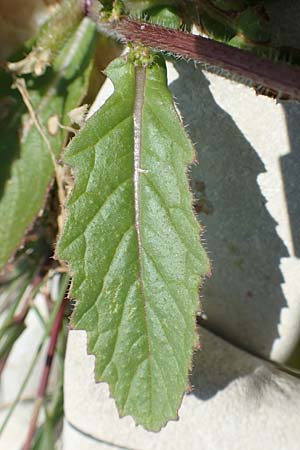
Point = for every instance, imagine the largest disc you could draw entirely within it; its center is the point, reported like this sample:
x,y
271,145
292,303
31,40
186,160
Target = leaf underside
x,y
26,167
134,248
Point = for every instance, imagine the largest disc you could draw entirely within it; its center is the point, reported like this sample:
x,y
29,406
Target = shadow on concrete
x,y
290,165
218,364
243,299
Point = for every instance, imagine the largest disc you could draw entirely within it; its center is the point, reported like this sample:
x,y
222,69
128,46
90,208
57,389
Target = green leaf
x,y
133,245
26,167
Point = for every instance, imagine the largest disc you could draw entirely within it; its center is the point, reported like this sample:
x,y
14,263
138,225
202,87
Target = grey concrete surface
x,y
238,402
246,180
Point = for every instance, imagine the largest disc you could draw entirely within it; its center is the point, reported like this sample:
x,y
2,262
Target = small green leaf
x,y
133,244
26,167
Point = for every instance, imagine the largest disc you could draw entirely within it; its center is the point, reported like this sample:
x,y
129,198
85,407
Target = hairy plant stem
x,y
279,77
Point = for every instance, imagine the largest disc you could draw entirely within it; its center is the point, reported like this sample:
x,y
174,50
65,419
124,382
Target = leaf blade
x,y
26,163
137,297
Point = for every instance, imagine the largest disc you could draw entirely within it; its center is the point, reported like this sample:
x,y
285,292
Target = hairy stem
x,y
277,76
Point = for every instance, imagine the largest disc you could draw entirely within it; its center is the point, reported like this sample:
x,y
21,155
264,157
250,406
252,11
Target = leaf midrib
x,y
139,101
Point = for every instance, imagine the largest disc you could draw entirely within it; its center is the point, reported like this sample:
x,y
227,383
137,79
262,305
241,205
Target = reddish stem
x,y
46,372
3,363
277,76
87,5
